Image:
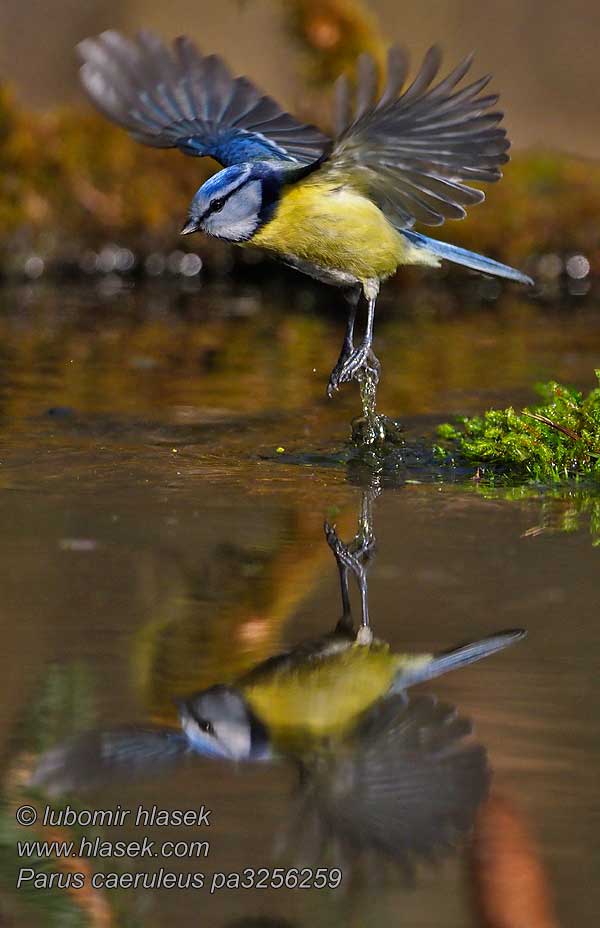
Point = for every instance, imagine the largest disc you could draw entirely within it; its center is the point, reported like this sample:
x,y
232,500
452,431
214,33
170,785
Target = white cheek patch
x,y
236,736
238,220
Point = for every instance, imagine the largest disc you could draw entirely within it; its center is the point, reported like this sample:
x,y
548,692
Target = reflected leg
x,y
346,622
355,558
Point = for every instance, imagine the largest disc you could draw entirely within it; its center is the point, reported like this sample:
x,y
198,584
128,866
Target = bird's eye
x,y
217,205
206,727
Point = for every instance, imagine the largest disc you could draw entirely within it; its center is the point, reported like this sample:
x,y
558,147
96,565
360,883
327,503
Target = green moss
x,y
448,432
554,441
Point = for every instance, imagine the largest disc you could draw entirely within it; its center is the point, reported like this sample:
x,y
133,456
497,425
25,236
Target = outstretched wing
x,y
98,757
177,98
415,152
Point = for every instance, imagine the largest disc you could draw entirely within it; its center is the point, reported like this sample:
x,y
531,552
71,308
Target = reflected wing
x,y
415,152
407,783
177,98
97,758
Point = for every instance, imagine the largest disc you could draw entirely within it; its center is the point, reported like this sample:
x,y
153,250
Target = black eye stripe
x,y
217,205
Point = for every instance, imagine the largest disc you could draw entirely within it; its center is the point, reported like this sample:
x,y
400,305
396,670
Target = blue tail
x,y
468,258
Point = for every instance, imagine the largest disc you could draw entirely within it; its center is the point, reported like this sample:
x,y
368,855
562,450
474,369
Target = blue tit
x,y
341,209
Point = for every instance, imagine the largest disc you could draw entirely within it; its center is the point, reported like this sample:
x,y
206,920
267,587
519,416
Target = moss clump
x,y
554,441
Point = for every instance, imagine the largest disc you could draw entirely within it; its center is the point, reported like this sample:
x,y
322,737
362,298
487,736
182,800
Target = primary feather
x,y
407,782
415,153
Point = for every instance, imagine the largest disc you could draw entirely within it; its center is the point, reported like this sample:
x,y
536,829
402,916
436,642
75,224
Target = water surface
x,y
168,459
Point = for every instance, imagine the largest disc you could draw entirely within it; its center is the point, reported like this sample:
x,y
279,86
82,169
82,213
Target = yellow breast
x,y
336,228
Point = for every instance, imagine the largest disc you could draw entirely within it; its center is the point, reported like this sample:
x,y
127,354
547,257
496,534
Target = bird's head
x,y
219,722
234,203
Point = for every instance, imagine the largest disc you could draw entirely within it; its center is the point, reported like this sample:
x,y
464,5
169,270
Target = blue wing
x,y
177,98
98,757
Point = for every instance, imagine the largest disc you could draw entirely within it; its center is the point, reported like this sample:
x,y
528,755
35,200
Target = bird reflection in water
x,y
379,769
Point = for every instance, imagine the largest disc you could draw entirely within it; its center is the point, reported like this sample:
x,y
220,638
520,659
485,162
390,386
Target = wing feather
x,y
425,75
178,98
397,73
415,153
366,87
407,782
342,107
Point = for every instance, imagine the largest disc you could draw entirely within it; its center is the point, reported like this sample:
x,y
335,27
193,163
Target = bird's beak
x,y
189,226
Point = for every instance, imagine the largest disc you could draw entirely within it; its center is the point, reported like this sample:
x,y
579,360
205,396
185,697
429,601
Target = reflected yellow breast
x,y
323,697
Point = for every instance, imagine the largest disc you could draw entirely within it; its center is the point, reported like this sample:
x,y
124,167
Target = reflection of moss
x,y
55,908
564,509
64,706
557,440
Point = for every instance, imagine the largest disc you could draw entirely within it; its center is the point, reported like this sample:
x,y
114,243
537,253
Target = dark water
x,y
168,459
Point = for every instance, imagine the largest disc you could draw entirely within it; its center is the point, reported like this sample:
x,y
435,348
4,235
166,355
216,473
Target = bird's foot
x,y
356,364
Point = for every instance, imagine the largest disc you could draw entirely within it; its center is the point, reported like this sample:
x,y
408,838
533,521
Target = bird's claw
x,y
359,362
337,375
334,383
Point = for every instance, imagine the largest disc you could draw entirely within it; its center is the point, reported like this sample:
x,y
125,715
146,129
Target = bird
x,y
313,691
340,208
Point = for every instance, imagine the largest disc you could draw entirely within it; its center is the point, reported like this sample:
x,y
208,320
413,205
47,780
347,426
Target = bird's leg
x,y
359,362
353,298
372,428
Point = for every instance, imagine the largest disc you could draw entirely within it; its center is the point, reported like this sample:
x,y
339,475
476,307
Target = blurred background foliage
x,y
69,181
